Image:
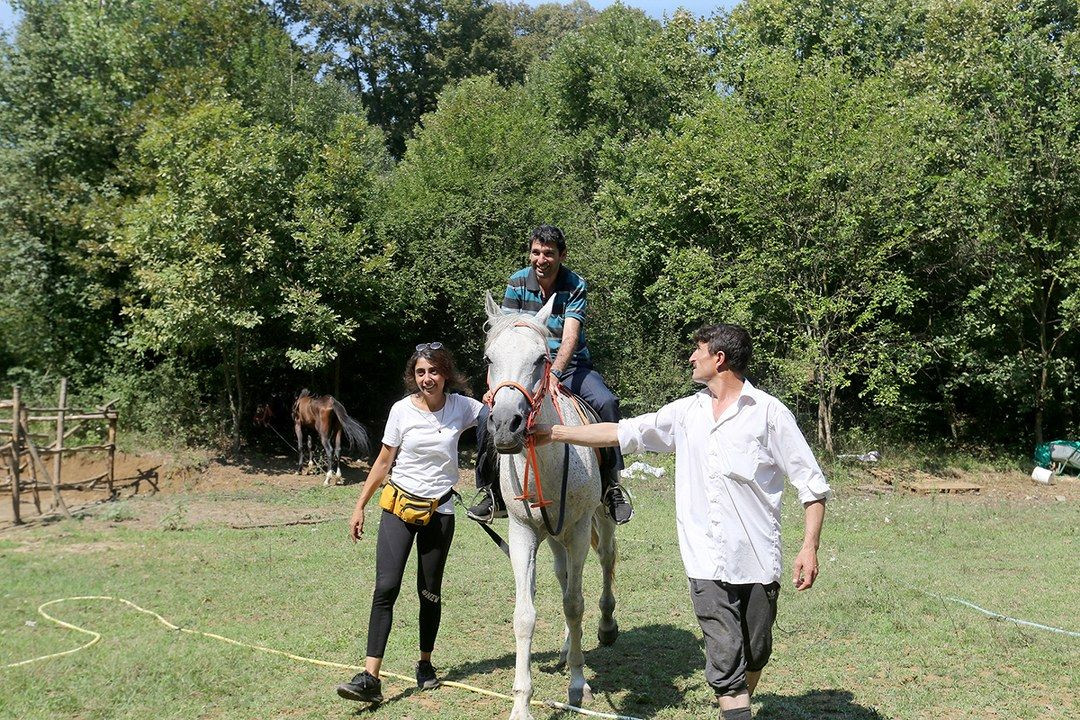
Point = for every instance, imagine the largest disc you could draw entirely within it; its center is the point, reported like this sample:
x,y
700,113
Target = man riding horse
x,y
527,291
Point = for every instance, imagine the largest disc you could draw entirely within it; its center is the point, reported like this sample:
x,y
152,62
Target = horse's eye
x,y
487,360
541,360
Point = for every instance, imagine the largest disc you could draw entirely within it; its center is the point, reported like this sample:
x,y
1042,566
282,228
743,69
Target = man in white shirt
x,y
733,445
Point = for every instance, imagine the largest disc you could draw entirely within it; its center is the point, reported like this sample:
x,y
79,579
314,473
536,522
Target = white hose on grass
x,y
300,658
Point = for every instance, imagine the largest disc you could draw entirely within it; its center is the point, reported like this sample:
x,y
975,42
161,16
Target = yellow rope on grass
x,y
314,661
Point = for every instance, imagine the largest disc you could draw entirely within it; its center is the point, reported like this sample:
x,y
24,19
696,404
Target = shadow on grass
x,y
815,704
644,663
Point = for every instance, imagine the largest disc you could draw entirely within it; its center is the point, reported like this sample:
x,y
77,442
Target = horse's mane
x,y
496,325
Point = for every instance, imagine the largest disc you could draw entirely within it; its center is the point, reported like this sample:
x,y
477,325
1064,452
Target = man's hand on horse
x,y
489,397
356,524
541,434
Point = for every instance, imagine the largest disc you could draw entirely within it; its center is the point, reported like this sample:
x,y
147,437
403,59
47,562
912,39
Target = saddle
x,y
605,456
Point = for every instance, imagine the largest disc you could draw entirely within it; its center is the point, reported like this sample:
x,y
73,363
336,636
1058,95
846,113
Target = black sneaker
x,y
619,508
364,687
487,509
425,676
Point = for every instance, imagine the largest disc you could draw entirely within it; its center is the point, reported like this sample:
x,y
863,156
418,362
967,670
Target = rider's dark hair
x,y
732,340
444,363
548,235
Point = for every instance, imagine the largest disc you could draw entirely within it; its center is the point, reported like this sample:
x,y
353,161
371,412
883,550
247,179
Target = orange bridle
x,y
536,401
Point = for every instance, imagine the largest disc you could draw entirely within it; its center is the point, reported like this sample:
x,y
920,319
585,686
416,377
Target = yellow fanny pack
x,y
412,509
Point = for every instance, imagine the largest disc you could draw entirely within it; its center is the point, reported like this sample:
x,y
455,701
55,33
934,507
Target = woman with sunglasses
x,y
421,434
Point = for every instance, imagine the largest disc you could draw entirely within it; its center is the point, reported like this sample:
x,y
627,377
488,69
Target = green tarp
x,y
1057,455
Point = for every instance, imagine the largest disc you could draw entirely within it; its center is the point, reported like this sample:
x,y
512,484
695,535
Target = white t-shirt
x,y
427,457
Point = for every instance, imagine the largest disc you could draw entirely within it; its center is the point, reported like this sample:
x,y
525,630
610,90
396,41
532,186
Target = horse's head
x,y
264,415
517,357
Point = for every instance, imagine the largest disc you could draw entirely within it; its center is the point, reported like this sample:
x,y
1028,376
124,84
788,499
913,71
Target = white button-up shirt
x,y
729,476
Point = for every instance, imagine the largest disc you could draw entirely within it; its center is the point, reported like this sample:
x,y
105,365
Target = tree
x,y
623,75
1007,204
785,206
398,54
337,289
66,83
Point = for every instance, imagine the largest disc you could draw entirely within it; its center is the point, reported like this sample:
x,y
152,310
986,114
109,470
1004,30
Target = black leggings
x,y
395,543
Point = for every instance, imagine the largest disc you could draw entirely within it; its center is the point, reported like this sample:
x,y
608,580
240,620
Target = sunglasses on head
x,y
424,347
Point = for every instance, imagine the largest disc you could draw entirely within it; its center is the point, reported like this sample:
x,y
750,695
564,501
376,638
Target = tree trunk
x,y
1040,399
239,405
826,402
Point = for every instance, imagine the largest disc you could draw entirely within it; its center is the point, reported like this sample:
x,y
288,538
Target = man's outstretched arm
x,y
595,435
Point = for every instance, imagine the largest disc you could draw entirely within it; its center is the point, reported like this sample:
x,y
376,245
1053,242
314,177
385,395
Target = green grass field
x,y
865,643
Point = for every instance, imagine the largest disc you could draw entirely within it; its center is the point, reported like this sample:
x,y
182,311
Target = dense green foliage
x,y
203,202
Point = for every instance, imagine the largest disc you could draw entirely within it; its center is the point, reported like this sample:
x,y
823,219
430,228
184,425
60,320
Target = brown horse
x,y
326,416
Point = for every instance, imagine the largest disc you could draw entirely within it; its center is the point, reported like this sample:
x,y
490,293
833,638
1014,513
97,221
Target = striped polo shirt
x,y
523,295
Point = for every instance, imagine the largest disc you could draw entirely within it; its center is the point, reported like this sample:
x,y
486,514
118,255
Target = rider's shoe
x,y
618,507
364,687
425,676
487,509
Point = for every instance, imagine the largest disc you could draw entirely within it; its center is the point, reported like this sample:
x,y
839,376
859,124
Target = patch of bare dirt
x,y
161,490
994,486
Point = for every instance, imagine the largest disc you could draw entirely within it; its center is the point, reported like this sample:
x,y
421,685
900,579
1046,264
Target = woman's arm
x,y
375,478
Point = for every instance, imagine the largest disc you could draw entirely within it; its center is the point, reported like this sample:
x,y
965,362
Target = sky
x,y
655,8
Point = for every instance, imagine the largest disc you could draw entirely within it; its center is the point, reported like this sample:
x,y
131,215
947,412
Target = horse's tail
x,y
354,431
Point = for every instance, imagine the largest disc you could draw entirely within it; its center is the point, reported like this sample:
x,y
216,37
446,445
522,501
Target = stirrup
x,y
627,498
496,512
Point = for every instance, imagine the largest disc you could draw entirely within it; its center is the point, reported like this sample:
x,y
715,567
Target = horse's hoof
x,y
608,637
579,697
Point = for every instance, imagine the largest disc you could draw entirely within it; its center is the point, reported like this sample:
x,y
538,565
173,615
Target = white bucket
x,y
1042,476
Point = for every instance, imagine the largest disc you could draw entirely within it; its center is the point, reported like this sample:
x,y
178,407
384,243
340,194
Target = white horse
x,y
518,366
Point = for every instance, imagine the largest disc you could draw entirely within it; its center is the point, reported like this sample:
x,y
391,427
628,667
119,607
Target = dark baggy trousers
x,y
392,551
736,621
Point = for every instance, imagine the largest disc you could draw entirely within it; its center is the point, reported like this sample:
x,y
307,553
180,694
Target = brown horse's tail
x,y
354,431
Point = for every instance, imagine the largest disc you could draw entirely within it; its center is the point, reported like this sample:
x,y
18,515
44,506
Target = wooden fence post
x,y
16,414
30,466
111,440
58,501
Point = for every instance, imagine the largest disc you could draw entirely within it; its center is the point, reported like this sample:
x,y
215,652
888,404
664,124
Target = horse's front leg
x,y
604,528
574,608
523,544
337,454
559,557
328,450
300,447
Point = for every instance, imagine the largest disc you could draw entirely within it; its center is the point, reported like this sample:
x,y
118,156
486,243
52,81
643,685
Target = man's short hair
x,y
548,235
732,340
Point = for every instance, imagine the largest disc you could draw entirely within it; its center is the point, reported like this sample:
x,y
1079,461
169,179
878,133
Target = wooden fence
x,y
25,452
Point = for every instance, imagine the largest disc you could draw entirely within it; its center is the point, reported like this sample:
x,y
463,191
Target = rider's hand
x,y
489,397
554,380
356,524
541,434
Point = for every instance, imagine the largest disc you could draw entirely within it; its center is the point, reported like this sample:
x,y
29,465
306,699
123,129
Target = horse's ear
x,y
545,312
493,310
